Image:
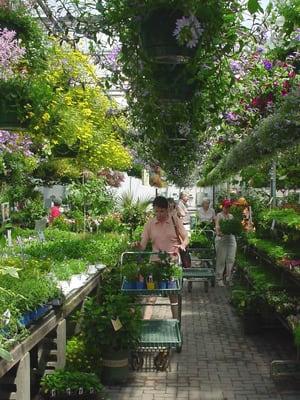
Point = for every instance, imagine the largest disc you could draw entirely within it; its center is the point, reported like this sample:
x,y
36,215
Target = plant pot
x,y
114,367
129,284
251,323
140,285
163,285
32,316
172,285
74,395
158,40
150,285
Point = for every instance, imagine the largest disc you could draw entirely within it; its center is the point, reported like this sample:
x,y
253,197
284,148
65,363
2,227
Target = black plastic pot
x,y
158,40
115,367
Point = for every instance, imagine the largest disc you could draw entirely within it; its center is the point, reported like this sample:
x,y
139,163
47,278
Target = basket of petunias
x,y
231,226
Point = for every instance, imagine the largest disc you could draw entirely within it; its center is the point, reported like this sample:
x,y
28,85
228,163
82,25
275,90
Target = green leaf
x,y
254,6
5,354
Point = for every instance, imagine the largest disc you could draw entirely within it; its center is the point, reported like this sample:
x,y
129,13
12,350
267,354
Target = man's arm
x,y
145,236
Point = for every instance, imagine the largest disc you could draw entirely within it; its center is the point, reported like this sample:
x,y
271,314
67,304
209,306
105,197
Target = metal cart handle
x,y
142,253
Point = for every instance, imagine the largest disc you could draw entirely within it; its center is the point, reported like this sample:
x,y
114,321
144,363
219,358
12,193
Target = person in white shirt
x,y
206,213
182,209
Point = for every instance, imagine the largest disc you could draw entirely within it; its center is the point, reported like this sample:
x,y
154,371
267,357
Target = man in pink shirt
x,y
161,231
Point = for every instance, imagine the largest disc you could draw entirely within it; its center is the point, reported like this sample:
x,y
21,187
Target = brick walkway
x,y
218,362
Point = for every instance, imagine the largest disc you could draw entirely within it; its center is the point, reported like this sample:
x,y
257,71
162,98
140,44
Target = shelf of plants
x,y
40,330
268,279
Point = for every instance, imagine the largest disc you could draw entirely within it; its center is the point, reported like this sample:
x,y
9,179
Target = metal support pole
x,y
273,184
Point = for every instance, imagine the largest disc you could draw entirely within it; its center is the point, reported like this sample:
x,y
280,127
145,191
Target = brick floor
x,y
217,362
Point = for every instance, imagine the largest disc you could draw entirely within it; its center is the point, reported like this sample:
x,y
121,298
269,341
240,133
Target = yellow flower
x,y
46,117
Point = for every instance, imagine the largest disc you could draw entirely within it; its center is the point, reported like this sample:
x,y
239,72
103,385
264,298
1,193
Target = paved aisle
x,y
217,361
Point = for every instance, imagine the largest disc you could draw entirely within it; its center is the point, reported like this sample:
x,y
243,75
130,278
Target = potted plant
x,y
111,328
248,305
71,385
130,273
231,226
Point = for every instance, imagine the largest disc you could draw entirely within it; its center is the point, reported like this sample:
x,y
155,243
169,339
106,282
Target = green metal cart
x,y
203,264
158,337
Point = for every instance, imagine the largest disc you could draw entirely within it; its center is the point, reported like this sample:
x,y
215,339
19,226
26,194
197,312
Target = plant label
x,y
80,391
53,393
117,324
273,225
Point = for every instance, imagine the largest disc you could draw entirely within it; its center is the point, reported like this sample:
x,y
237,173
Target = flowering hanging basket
x,y
158,37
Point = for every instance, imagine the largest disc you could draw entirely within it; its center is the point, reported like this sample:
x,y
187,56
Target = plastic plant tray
x,y
149,292
160,334
205,273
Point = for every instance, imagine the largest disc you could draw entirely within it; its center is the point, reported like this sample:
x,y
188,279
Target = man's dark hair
x,y
160,202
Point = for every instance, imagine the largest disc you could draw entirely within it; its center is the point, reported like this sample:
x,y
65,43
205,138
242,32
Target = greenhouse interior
x,y
150,200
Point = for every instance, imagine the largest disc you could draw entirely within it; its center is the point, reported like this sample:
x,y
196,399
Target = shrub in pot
x,y
111,328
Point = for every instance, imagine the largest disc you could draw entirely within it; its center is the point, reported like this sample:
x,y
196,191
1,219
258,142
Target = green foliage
x,y
76,357
61,380
286,217
92,196
274,133
133,212
272,250
28,32
231,226
111,223
65,269
245,300
199,239
61,223
297,335
96,323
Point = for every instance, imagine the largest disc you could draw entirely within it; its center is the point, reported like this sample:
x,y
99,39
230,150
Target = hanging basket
x,y
173,82
158,40
9,116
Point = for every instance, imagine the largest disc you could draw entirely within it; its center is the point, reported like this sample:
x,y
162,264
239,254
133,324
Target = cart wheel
x,y
213,282
190,286
206,286
178,349
137,361
161,361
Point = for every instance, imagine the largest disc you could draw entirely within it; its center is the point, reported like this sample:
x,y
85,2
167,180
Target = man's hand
x,y
180,246
136,245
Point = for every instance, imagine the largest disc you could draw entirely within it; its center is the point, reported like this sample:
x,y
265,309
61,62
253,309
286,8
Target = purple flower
x,y
297,35
236,67
188,31
10,53
260,49
267,64
12,142
111,60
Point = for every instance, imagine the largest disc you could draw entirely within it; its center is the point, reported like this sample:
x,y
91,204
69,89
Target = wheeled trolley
x,y
159,336
203,262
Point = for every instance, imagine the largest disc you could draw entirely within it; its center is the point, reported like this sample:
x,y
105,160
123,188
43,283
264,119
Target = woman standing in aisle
x,y
206,213
225,246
